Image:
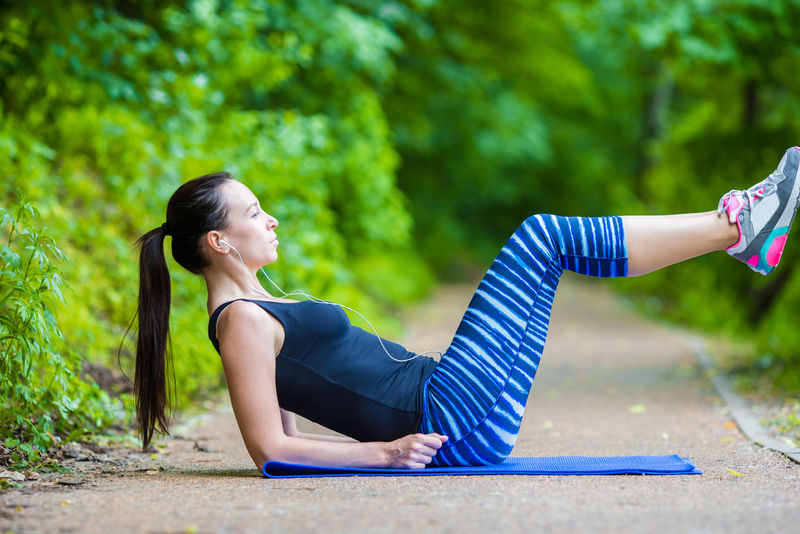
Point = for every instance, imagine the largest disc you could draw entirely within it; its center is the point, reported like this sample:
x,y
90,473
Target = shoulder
x,y
243,316
242,310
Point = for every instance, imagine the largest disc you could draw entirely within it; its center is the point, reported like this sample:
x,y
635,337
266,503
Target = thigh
x,y
503,329
476,395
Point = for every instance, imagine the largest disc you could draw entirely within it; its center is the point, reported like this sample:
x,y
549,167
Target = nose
x,y
273,222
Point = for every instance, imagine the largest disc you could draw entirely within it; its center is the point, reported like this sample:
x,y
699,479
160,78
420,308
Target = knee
x,y
537,224
539,227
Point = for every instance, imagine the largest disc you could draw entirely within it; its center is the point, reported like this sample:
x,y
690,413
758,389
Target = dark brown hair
x,y
196,208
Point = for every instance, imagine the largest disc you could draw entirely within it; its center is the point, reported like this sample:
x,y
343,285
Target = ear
x,y
212,239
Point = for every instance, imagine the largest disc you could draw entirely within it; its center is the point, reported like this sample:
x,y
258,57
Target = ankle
x,y
728,232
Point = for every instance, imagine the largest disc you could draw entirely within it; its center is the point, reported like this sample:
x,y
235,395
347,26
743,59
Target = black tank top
x,y
337,374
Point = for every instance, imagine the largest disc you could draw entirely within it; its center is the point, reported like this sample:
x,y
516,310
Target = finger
x,y
421,462
432,440
428,452
428,440
429,444
412,464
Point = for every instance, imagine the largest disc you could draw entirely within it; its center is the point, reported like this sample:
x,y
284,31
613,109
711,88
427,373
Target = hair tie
x,y
165,229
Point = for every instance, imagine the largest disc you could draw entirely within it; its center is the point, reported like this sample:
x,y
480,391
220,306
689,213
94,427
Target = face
x,y
251,230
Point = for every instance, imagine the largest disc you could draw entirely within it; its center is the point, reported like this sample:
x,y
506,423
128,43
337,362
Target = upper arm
x,y
247,340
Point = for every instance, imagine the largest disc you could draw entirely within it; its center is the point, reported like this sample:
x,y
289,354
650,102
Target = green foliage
x,y
381,131
105,110
717,103
474,112
600,107
787,420
44,400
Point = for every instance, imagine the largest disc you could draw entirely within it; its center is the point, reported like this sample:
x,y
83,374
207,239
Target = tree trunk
x,y
654,112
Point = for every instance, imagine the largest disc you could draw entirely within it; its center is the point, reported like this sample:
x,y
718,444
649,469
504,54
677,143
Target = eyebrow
x,y
253,205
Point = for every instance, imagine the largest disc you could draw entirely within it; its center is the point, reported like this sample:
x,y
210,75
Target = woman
x,y
282,357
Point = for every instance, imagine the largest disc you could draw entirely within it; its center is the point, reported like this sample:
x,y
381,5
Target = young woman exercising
x,y
403,410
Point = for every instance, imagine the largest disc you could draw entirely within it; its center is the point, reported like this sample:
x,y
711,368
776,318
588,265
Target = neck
x,y
228,283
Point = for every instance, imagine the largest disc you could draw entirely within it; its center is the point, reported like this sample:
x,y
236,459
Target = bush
x,y
44,400
285,97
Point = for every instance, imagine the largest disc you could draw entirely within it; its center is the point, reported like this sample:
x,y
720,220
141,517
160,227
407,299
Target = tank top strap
x,y
212,321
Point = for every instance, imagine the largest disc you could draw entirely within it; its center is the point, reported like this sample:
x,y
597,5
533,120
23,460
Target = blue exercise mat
x,y
545,465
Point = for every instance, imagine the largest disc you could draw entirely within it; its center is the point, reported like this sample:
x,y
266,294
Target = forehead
x,y
238,195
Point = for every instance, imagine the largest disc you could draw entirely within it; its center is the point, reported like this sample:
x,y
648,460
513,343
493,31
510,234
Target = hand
x,y
414,451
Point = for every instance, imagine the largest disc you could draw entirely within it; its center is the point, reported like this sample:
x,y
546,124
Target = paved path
x,y
599,362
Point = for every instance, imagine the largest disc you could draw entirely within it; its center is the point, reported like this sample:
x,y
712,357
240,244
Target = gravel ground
x,y
610,383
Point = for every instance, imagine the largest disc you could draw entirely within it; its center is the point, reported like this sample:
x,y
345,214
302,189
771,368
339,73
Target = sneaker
x,y
764,214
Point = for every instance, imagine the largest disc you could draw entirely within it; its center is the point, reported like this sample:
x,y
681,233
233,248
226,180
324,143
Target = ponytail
x,y
196,208
149,384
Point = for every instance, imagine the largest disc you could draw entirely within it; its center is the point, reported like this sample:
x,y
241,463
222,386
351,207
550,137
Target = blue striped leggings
x,y
477,394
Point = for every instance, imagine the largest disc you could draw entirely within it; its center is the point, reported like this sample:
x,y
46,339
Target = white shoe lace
x,y
762,189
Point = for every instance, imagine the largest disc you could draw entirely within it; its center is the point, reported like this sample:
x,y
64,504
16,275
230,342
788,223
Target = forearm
x,y
322,437
300,450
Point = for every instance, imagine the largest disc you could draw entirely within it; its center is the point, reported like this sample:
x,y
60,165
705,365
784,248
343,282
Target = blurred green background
x,y
399,143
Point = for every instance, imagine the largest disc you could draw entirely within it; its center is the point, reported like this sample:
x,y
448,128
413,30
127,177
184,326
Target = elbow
x,y
263,457
275,451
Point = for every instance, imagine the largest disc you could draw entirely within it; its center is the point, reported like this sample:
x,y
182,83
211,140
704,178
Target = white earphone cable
x,y
315,299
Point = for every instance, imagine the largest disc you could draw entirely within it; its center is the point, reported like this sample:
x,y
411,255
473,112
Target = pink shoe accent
x,y
734,206
753,262
797,147
775,250
739,226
